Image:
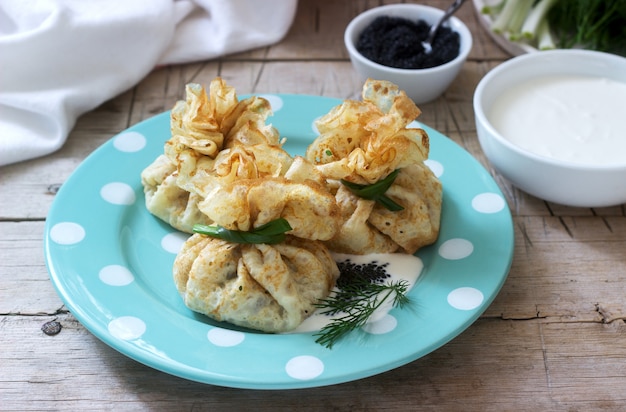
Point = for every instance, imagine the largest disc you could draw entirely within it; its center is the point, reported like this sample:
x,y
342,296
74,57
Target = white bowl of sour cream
x,y
554,124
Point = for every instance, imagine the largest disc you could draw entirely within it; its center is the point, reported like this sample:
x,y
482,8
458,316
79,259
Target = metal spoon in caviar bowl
x,y
427,44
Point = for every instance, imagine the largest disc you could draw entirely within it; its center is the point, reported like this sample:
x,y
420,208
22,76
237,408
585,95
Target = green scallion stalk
x,y
376,191
270,233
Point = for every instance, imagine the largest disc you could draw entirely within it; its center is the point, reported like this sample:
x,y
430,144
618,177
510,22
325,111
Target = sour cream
x,y
580,119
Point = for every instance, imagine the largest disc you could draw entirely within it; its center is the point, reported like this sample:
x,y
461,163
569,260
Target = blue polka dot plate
x,y
110,262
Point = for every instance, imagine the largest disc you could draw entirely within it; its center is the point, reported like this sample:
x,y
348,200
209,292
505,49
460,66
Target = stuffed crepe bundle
x,y
215,139
363,143
267,287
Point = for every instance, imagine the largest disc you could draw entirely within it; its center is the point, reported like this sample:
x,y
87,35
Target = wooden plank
x,y
470,372
25,287
313,78
569,270
320,26
592,374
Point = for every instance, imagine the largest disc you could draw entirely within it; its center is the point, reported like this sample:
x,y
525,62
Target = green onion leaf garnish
x,y
376,191
270,233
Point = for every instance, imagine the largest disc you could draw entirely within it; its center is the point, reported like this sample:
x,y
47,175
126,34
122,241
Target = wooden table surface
x,y
553,339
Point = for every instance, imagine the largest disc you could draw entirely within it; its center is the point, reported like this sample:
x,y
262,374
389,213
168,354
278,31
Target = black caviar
x,y
397,42
351,273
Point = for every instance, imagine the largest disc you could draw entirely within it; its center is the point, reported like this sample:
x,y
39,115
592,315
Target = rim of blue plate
x,y
110,262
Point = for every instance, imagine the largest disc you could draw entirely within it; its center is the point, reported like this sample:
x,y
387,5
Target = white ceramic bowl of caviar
x,y
553,124
384,44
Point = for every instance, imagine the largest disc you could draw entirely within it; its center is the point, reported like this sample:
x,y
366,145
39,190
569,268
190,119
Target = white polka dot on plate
x,y
172,242
67,233
275,101
116,275
225,337
414,125
488,203
127,327
465,298
381,326
304,367
118,193
129,142
455,249
434,166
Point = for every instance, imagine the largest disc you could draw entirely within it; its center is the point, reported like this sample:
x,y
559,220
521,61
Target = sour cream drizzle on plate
x,y
401,267
580,119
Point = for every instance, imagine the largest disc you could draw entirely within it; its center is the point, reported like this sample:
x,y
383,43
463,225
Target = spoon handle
x,y
449,12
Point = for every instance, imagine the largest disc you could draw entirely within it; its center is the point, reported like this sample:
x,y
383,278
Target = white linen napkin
x,y
62,58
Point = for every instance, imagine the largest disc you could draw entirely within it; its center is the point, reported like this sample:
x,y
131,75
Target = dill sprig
x,y
355,303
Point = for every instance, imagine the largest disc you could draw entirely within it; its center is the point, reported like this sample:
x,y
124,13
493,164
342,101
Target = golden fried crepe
x,y
215,138
201,175
308,207
363,143
370,228
271,288
167,201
